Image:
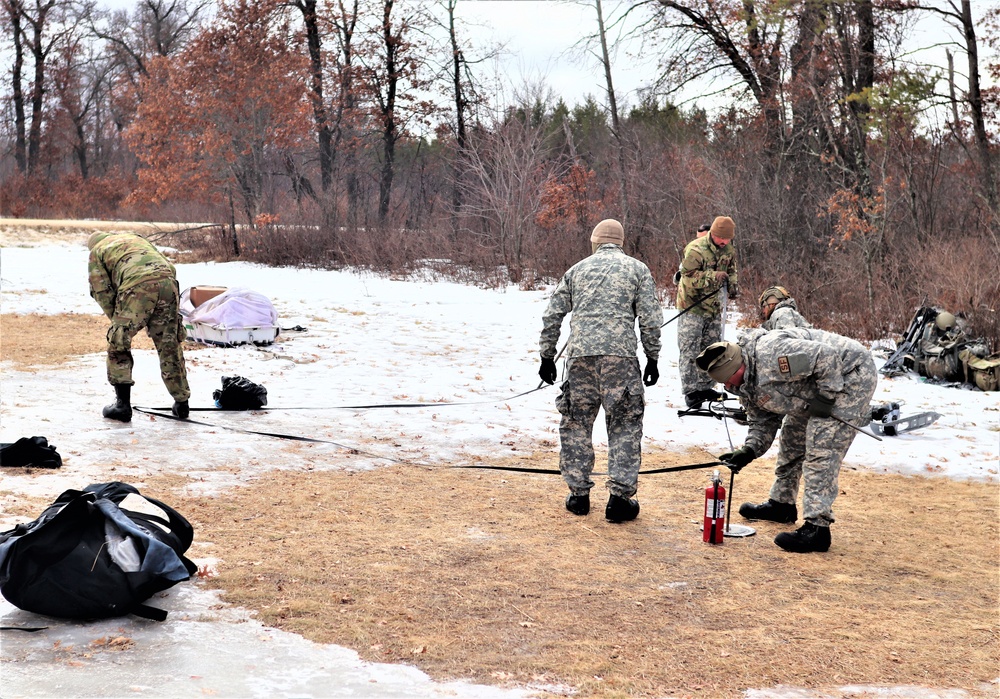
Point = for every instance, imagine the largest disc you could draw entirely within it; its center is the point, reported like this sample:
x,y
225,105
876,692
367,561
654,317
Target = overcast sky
x,y
539,36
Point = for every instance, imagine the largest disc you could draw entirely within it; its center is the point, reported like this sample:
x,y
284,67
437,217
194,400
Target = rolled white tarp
x,y
237,307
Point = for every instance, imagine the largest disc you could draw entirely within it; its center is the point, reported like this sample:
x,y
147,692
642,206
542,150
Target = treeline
x,y
365,132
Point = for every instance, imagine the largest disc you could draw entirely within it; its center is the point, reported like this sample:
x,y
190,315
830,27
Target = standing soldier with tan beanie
x,y
709,263
136,287
606,292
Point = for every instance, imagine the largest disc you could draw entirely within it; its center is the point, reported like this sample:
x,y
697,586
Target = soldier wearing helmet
x,y
778,309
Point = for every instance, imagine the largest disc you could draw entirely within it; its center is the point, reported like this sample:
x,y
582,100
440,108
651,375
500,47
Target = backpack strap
x,y
147,612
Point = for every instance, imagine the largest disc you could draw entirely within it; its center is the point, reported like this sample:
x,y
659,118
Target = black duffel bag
x,y
85,557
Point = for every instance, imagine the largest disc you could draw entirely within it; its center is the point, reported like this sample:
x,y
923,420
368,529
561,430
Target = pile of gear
x,y
937,345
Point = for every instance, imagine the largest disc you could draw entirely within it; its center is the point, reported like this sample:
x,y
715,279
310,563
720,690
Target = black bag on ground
x,y
239,393
87,558
30,451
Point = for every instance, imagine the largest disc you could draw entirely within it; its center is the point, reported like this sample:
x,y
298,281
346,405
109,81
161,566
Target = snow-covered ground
x,y
369,341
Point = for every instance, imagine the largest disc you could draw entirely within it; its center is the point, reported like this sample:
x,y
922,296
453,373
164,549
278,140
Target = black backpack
x,y
239,393
30,451
87,558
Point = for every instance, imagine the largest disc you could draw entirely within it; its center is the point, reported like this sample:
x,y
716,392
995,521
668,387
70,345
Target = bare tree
x,y
743,37
344,20
43,34
14,10
960,17
154,28
395,78
314,44
501,184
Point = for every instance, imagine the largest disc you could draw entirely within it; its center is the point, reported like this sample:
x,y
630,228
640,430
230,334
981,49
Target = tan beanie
x,y
723,228
608,231
721,360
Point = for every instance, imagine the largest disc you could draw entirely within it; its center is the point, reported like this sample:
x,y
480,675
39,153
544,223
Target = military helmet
x,y
778,293
95,238
945,321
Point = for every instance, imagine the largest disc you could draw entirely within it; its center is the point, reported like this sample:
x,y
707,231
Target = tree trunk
x,y
15,10
976,106
313,41
458,60
388,109
616,130
39,54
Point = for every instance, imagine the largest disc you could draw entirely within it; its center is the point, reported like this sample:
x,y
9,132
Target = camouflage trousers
x,y
813,449
694,334
152,305
615,384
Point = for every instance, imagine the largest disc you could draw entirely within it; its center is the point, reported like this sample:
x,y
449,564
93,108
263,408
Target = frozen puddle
x,y
202,649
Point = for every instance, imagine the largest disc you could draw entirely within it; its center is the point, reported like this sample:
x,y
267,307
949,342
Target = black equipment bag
x,y
30,451
87,558
239,393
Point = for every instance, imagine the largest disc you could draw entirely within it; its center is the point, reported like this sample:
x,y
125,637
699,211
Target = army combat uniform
x,y
605,292
136,286
785,315
785,369
702,325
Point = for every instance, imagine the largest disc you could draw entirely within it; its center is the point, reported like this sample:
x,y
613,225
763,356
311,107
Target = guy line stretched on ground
x,y
607,292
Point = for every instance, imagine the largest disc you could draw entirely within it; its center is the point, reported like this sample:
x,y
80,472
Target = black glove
x,y
547,372
652,374
736,460
821,406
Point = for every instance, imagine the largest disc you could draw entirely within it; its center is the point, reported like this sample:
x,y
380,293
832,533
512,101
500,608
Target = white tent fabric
x,y
237,307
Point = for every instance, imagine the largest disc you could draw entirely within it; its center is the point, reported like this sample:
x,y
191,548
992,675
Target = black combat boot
x,y
180,409
771,511
121,409
578,504
807,538
621,509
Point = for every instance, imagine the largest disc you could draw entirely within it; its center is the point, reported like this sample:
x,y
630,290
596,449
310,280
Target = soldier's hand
x,y
547,372
736,460
721,276
652,373
821,406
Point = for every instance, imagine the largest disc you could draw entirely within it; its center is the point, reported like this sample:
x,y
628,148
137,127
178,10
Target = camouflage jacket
x,y
120,262
785,315
702,259
606,292
785,369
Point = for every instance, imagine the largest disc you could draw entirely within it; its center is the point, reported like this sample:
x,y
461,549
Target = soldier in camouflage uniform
x,y
779,310
136,287
605,292
796,379
709,262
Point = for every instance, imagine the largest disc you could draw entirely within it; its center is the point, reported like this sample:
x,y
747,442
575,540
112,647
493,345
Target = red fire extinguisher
x,y
715,511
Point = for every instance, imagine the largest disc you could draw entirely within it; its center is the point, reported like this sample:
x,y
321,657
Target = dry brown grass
x,y
33,340
483,574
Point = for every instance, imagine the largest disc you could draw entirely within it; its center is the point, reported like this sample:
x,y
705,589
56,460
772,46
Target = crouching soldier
x,y
779,310
798,379
136,287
